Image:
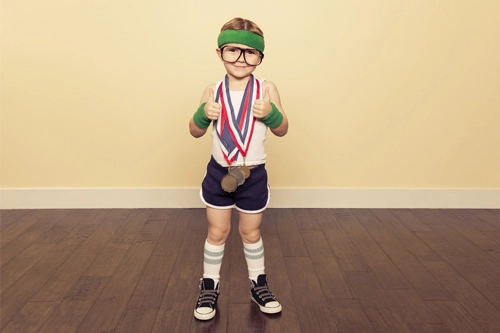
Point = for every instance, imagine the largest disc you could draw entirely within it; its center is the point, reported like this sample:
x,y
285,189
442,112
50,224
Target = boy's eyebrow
x,y
241,48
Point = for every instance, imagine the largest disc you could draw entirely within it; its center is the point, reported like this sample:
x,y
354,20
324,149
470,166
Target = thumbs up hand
x,y
262,107
212,108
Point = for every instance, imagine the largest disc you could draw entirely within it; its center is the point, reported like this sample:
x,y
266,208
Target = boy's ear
x,y
218,53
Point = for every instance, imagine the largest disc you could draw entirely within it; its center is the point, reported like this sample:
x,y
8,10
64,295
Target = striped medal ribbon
x,y
235,130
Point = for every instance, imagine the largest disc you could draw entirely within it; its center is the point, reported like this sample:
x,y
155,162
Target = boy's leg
x,y
219,225
249,228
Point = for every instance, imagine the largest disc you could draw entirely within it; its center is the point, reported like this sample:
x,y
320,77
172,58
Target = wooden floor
x,y
334,270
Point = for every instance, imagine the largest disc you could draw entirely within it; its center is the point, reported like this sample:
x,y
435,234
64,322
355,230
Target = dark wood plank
x,y
109,306
421,280
83,230
469,231
491,216
378,261
151,231
138,217
493,235
330,275
136,320
69,273
410,306
477,266
245,318
403,224
449,242
148,294
312,307
475,303
306,219
455,317
26,221
111,255
268,226
380,307
462,233
30,235
31,317
470,218
428,328
292,244
406,219
71,221
9,216
427,216
75,306
350,316
15,297
181,293
448,231
13,271
346,252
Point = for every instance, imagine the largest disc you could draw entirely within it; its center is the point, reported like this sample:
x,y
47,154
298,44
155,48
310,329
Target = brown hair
x,y
239,23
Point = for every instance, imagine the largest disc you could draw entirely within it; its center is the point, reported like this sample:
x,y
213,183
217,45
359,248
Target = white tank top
x,y
256,151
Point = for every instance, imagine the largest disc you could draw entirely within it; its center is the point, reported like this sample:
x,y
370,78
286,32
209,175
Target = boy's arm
x,y
195,130
263,107
210,111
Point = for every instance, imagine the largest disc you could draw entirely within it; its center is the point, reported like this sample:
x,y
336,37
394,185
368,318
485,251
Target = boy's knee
x,y
217,236
250,236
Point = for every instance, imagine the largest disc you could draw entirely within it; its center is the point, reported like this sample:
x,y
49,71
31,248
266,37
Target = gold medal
x,y
245,170
229,183
238,174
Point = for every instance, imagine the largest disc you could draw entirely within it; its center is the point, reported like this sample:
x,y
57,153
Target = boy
x,y
242,109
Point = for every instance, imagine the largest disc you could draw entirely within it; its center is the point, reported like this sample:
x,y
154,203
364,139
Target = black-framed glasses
x,y
232,54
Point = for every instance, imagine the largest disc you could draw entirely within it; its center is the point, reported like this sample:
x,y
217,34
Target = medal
x,y
238,174
245,170
229,183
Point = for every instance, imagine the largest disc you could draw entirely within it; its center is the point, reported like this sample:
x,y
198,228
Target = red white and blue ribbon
x,y
235,129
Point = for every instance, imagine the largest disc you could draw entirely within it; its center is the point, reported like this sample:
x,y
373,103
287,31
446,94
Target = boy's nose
x,y
241,58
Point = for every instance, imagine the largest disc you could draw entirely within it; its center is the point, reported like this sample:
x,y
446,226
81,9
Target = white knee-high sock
x,y
254,255
212,261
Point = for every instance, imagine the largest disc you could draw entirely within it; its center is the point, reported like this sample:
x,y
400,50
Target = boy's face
x,y
238,68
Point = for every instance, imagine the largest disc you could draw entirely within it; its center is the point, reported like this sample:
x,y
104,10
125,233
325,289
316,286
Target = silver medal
x,y
238,174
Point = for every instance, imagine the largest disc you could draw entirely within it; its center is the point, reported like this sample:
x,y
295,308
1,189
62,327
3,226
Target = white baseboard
x,y
280,198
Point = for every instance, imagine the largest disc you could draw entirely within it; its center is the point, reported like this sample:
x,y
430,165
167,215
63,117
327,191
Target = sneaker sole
x,y
204,316
268,310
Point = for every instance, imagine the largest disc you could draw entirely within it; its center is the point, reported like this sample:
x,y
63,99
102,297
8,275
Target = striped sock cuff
x,y
254,255
213,254
254,251
212,259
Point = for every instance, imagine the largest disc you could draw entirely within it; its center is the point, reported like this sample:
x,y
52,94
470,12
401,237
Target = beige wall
x,y
380,94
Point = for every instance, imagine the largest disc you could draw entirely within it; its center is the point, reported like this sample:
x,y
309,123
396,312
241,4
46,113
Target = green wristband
x,y
274,118
200,119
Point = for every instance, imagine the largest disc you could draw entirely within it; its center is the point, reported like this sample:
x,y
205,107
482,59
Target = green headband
x,y
244,37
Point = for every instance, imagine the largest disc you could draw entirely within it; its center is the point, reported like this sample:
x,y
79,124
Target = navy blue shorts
x,y
251,197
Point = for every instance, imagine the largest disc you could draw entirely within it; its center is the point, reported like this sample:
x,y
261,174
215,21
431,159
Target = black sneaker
x,y
263,296
205,308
